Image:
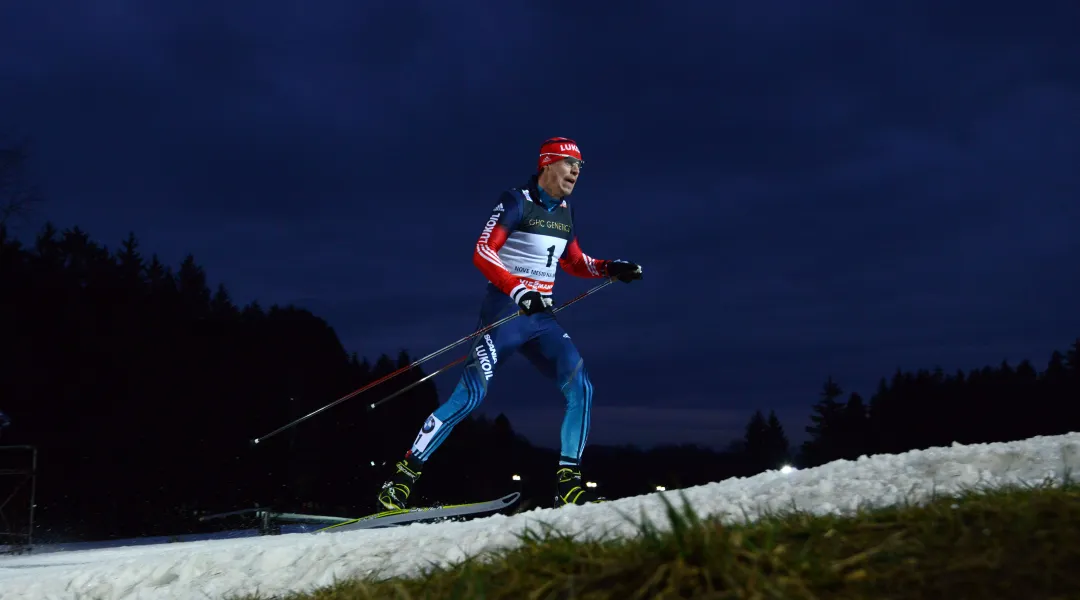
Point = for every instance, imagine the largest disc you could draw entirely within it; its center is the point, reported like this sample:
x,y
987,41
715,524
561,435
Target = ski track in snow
x,y
294,562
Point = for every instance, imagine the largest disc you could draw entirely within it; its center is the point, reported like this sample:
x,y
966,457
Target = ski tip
x,y
511,498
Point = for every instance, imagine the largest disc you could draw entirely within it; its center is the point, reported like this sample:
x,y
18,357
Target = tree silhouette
x,y
853,429
1072,359
765,443
928,408
827,420
136,379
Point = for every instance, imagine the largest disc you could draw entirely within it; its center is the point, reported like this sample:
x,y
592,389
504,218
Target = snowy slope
x,y
275,564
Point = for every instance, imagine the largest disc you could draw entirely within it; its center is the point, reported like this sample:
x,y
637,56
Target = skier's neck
x,y
547,200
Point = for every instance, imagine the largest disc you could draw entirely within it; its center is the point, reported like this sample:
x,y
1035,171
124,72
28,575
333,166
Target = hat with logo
x,y
556,149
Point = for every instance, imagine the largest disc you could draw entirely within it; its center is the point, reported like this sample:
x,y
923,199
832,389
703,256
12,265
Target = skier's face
x,y
560,177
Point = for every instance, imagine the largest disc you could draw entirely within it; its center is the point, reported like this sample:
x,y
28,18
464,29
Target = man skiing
x,y
528,234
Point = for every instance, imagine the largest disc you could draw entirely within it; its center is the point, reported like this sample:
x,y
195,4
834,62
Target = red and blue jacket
x,y
528,234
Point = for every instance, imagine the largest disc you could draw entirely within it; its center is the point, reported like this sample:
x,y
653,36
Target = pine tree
x,y
221,305
854,430
765,444
1056,369
1072,359
827,418
194,292
131,262
779,445
756,436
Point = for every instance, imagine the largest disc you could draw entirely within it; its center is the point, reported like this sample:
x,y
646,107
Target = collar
x,y
544,199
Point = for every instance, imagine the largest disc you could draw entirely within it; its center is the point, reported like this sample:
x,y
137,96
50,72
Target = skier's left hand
x,y
531,303
625,271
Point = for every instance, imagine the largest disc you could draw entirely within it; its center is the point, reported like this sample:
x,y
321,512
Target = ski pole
x,y
416,383
384,378
373,405
417,362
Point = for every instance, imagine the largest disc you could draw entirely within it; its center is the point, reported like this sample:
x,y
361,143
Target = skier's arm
x,y
486,255
579,264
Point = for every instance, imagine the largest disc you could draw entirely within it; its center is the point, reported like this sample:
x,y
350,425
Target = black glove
x,y
532,302
625,271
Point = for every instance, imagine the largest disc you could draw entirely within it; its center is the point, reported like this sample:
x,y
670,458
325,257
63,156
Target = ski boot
x,y
571,490
395,493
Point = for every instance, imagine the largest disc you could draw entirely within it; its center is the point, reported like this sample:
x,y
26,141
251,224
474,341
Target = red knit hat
x,y
558,148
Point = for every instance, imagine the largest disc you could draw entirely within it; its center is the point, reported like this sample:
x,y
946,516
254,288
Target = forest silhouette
x,y
141,386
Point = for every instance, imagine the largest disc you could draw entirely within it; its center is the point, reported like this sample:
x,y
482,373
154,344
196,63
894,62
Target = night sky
x,y
835,187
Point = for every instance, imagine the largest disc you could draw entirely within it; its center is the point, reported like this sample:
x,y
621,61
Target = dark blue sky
x,y
813,188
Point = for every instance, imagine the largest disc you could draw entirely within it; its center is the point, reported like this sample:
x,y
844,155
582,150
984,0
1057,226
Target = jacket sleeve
x,y
504,218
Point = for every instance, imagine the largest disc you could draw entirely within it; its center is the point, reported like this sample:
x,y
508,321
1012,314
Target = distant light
x,y
590,484
787,469
661,488
372,405
373,463
517,477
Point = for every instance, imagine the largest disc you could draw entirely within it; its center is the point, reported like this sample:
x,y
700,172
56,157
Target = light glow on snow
x,y
786,469
301,561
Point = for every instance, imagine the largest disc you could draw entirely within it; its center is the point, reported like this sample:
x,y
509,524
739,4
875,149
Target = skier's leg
x,y
486,353
555,355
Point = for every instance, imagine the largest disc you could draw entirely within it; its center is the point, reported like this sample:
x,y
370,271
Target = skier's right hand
x,y
532,302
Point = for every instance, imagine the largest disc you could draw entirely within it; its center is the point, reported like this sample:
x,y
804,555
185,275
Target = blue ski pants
x,y
541,339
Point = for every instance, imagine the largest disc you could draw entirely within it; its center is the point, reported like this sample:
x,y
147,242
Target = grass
x,y
1021,542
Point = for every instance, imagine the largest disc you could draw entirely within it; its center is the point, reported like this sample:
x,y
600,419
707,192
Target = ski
x,y
403,516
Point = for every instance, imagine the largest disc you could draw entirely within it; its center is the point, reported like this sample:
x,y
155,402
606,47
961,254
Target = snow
x,y
214,569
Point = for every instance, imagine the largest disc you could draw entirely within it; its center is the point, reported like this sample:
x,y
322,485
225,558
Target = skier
x,y
529,232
